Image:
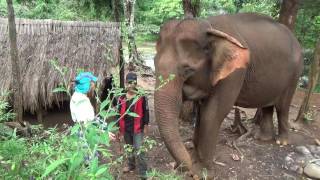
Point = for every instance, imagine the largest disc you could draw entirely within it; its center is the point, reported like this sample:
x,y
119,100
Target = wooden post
x,y
16,79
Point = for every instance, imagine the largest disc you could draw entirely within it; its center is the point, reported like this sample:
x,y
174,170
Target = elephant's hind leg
x,y
266,132
282,108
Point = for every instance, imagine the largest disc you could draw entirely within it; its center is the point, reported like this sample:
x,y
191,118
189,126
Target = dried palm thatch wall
x,y
91,46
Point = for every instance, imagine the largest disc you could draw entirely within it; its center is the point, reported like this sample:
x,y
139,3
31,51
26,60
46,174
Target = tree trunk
x,y
313,79
238,4
16,78
117,18
129,20
191,8
288,13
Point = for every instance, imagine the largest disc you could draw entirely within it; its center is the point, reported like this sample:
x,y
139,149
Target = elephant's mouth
x,y
192,93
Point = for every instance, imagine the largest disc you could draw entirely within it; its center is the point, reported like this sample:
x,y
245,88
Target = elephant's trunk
x,y
168,100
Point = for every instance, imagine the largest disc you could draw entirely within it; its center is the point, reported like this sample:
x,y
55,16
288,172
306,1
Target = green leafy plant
x,y
5,113
267,7
163,81
146,146
154,174
65,85
75,153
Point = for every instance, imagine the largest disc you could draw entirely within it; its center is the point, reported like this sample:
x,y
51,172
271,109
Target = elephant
x,y
246,59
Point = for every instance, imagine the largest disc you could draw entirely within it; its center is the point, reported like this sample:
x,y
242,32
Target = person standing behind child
x,y
134,128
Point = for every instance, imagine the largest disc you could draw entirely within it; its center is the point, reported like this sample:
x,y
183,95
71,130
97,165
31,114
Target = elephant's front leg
x,y
212,112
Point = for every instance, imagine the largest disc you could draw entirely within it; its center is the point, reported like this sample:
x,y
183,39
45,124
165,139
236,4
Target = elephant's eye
x,y
206,49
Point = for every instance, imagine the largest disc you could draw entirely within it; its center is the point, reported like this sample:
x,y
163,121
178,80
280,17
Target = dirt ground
x,y
261,160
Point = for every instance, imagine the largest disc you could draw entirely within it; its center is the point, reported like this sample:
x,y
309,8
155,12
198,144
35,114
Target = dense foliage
x,y
60,9
308,24
150,14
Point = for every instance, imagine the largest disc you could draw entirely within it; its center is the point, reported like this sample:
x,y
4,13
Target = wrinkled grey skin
x,y
266,79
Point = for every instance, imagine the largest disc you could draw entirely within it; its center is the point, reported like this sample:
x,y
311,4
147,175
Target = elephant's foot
x,y
199,171
264,136
282,139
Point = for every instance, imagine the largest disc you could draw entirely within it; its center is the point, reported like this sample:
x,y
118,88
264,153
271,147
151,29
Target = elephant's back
x,y
275,56
255,30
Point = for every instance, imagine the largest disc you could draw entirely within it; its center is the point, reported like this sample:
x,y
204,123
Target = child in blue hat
x,y
81,108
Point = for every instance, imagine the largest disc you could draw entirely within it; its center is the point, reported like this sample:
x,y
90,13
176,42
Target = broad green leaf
x,y
171,76
104,139
53,166
94,164
59,89
112,126
160,78
111,114
100,171
92,136
13,166
76,161
133,114
104,104
103,114
75,129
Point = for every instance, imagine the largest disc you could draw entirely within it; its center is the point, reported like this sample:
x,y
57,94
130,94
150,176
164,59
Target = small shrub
x,y
75,153
5,113
154,174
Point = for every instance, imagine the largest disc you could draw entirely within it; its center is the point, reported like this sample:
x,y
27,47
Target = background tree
x,y
150,15
308,24
313,79
308,29
116,6
15,69
268,7
129,14
288,13
191,8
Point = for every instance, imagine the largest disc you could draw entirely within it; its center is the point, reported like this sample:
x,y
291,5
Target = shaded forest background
x,y
52,154
150,14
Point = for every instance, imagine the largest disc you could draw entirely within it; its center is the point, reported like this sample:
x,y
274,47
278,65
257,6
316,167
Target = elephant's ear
x,y
228,55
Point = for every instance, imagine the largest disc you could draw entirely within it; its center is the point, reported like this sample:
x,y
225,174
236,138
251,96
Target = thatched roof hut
x,y
92,46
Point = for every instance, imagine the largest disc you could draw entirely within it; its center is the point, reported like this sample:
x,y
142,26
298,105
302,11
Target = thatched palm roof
x,y
91,46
